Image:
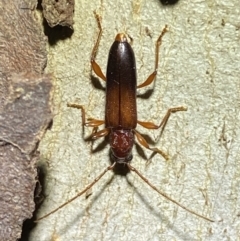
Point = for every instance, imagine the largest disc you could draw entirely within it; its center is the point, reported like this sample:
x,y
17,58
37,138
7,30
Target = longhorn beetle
x,y
121,112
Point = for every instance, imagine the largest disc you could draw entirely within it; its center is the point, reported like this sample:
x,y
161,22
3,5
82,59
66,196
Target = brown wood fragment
x,y
58,12
25,111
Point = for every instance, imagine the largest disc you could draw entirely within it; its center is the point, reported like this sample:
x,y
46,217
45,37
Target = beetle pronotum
x,y
121,113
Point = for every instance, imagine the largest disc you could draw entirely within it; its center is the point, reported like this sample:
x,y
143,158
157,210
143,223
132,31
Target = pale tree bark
x,y
199,68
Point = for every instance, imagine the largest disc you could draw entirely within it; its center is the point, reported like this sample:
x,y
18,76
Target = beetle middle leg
x,y
95,123
150,125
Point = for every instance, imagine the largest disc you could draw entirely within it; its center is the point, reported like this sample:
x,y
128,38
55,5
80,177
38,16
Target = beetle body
x,y
121,115
121,111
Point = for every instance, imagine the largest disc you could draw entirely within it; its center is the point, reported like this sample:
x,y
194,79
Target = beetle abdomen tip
x,y
121,37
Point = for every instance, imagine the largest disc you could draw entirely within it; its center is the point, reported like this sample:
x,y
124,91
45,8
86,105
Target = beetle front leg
x,y
100,133
144,143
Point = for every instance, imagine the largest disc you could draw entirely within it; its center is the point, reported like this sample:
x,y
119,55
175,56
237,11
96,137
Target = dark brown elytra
x,y
121,112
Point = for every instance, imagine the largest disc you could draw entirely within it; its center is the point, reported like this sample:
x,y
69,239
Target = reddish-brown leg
x,y
150,125
144,143
152,76
91,122
96,68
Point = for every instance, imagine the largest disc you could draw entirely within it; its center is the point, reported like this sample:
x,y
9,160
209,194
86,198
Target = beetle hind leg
x,y
152,76
96,68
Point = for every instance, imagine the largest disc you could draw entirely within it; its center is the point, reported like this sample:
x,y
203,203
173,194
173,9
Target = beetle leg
x,y
150,125
94,122
96,68
148,81
100,133
90,121
144,143
82,110
152,76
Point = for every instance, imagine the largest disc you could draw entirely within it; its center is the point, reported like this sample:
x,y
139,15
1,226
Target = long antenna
x,y
165,195
80,193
